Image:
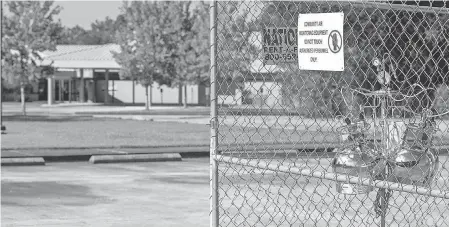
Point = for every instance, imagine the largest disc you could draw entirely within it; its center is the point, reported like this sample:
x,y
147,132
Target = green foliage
x,y
166,42
74,36
28,29
237,48
189,44
101,32
143,42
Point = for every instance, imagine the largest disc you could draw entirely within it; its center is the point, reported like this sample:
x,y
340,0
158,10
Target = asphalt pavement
x,y
80,194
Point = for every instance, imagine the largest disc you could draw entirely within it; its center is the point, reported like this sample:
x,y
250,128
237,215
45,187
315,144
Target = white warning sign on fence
x,y
279,45
320,41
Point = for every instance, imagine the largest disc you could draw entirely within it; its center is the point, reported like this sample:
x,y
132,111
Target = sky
x,y
84,13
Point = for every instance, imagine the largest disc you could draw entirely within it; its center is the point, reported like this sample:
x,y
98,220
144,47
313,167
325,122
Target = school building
x,y
89,73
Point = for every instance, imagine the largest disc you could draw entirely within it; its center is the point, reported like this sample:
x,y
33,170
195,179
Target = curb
x,y
34,161
181,146
88,157
97,159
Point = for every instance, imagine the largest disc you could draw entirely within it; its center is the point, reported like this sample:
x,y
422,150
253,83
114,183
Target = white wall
x,y
192,94
122,90
169,95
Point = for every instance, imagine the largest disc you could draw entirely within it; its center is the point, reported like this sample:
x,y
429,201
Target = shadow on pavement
x,y
46,118
21,193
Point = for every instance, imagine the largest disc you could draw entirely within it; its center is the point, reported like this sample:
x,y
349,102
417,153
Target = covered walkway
x,y
82,73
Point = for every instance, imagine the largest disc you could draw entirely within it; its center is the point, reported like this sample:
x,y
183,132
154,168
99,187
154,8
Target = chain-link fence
x,y
363,145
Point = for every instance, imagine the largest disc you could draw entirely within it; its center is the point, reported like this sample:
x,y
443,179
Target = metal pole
x,y
385,147
3,128
214,216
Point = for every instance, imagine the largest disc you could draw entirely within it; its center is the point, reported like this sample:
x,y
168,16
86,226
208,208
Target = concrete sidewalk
x,y
40,108
203,120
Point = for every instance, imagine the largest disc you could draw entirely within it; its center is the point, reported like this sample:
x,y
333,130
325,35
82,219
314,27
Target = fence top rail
x,y
388,6
279,167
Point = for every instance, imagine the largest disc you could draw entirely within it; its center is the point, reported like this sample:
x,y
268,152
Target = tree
x,y
236,26
28,29
74,36
189,44
101,32
415,41
143,44
104,31
418,43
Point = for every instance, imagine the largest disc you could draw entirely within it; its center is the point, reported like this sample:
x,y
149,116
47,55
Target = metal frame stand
x,y
3,128
383,194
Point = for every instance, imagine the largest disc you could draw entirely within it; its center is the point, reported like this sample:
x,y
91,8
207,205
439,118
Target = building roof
x,y
83,56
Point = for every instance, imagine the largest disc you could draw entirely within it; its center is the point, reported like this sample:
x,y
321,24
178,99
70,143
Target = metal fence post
x,y
213,123
3,128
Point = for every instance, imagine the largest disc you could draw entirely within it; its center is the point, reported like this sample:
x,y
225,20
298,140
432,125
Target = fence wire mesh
x,y
360,147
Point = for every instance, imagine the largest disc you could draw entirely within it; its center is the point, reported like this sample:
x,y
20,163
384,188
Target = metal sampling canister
x,y
414,167
353,162
416,162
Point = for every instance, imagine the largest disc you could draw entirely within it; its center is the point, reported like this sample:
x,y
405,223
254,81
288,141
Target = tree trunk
x,y
147,103
185,96
150,96
22,98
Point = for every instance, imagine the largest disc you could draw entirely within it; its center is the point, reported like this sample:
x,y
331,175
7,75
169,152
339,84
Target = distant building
x,y
260,87
89,73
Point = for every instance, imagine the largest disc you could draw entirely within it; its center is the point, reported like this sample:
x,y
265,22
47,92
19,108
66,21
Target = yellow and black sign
x,y
280,45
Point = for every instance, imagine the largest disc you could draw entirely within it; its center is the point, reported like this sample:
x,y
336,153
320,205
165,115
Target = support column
x,y
61,85
94,83
50,90
106,87
113,91
73,84
81,88
70,90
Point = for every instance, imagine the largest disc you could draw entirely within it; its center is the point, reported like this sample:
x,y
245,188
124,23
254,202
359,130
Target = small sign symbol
x,y
335,41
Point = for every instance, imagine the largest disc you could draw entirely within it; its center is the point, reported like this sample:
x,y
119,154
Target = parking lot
x,y
82,194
